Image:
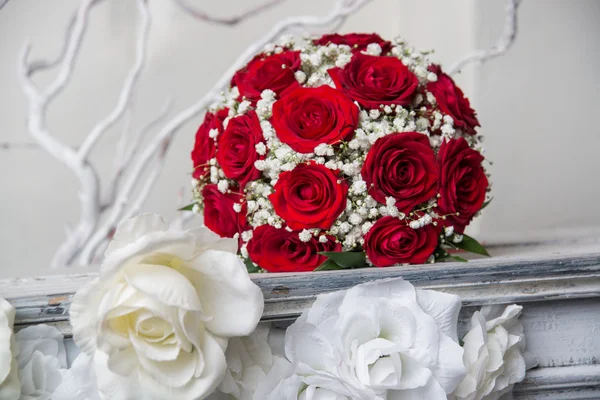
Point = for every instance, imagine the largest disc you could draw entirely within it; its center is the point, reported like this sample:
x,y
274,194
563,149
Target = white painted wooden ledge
x,y
558,283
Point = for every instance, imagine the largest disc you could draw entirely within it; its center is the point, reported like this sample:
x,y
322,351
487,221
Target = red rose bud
x,y
358,41
266,72
219,215
204,147
278,250
462,184
307,117
309,196
452,101
236,151
401,165
391,241
374,80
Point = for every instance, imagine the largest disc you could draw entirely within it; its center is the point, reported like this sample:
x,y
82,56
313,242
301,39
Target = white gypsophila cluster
x,y
348,157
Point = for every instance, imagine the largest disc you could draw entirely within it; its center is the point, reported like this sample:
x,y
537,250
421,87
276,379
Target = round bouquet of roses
x,y
342,152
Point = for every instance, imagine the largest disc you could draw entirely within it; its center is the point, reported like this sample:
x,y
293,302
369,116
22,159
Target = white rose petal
x,y
9,378
249,359
158,318
494,355
78,382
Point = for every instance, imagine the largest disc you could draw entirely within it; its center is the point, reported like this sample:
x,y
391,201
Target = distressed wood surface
x,y
557,283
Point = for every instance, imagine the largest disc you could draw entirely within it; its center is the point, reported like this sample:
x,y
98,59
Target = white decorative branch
x,y
75,160
341,9
234,20
137,167
504,43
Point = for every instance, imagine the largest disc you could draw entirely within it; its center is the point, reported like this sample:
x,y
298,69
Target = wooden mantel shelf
x,y
558,283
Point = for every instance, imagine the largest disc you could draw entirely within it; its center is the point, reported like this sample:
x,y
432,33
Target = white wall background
x,y
536,105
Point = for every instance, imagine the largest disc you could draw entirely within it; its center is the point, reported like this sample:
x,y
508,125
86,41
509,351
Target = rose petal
x,y
7,318
164,284
172,244
227,294
43,338
444,308
83,319
198,388
134,228
208,240
123,362
449,371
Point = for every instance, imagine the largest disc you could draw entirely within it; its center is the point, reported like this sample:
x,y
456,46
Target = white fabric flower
x,y
40,377
42,358
248,361
158,317
9,377
43,369
45,339
379,340
78,382
494,354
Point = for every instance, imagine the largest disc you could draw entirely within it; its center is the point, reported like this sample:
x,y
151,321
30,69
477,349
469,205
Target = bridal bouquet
x,y
341,152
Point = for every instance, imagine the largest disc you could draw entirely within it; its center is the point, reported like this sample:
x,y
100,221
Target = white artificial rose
x,y
42,338
494,354
158,318
249,359
78,382
9,377
42,359
40,377
282,384
379,340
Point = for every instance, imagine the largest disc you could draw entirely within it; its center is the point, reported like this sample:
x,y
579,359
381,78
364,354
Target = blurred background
x,y
537,105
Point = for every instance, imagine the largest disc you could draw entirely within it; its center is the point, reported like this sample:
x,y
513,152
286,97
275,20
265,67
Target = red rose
x,y
358,41
452,101
401,165
278,250
391,241
219,215
309,196
375,80
307,117
462,183
236,152
204,147
266,72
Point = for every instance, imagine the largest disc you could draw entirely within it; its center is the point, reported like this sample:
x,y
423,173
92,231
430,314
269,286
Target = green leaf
x,y
486,203
445,256
347,259
250,266
328,265
189,207
472,246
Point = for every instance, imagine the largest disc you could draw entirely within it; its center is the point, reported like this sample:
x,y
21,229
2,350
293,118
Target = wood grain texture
x,y
557,283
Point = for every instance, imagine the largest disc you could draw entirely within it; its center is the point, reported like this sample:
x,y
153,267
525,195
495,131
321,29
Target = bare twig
x,y
234,20
504,43
126,91
340,10
137,167
89,192
126,152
